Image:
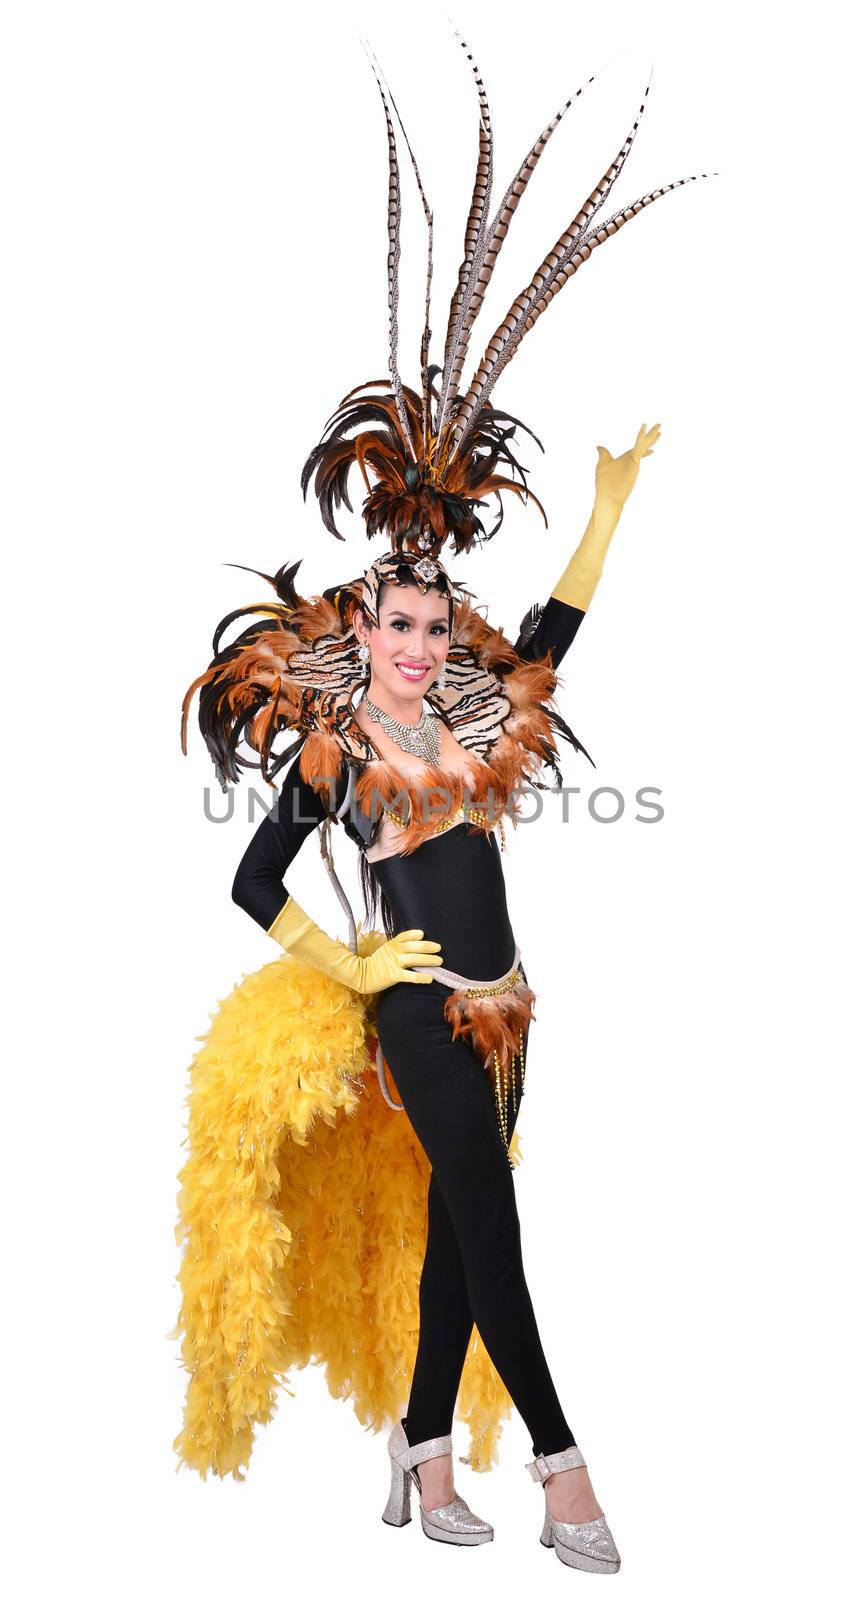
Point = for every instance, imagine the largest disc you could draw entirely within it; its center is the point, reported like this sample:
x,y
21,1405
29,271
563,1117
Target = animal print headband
x,y
394,568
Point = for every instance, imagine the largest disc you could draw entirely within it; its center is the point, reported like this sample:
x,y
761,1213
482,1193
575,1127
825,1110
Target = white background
x,y
193,198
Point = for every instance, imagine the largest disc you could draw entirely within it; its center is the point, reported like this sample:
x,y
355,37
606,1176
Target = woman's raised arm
x,y
561,616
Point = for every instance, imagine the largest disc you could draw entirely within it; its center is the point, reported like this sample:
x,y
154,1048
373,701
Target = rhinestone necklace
x,y
421,739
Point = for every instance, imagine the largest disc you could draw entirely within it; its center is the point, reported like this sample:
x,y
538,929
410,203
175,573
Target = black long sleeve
x,y
258,886
556,631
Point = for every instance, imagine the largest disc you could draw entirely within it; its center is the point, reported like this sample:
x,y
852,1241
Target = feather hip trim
x,y
496,1026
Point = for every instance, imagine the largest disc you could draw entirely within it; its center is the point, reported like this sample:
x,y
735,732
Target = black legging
x,y
473,1268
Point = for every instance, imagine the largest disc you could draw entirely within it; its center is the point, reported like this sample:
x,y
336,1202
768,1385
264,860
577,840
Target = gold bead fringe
x,y
473,815
501,1086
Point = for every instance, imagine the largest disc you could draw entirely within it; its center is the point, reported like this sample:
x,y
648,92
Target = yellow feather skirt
x,y
303,1222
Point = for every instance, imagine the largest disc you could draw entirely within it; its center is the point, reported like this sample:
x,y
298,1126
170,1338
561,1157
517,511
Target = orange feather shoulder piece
x,y
297,670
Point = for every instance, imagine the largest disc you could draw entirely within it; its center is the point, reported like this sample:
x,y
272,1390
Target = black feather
x,y
528,626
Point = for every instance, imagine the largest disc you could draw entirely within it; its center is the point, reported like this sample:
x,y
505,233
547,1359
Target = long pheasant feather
x,y
475,224
394,213
485,259
509,328
579,253
425,338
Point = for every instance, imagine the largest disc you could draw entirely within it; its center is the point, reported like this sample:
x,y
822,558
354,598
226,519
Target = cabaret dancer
x,y
418,724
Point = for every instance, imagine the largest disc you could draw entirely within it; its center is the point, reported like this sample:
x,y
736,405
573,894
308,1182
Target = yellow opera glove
x,y
390,963
614,478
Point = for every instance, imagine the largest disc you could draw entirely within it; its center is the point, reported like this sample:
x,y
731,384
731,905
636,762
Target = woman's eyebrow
x,y
409,617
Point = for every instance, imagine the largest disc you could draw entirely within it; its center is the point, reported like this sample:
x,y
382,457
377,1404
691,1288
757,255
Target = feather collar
x,y
299,670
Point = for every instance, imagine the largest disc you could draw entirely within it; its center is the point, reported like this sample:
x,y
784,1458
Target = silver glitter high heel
x,y
587,1545
453,1523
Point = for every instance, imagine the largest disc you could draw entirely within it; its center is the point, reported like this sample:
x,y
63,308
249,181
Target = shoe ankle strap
x,y
425,1451
542,1467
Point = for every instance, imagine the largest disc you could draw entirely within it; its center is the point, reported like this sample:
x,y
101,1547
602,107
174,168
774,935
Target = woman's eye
x,y
438,627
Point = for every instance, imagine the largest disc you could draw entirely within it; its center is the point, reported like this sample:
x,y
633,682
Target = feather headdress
x,y
434,454
429,458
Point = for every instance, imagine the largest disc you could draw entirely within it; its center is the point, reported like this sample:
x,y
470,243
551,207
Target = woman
x,y
421,792
444,904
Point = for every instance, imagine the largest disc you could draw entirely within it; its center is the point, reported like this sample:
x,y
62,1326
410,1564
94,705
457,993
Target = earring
x,y
364,654
441,681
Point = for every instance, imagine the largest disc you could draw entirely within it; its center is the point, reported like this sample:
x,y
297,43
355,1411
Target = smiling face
x,y
408,649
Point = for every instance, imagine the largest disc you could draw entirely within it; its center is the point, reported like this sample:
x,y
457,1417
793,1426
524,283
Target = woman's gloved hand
x,y
614,478
392,962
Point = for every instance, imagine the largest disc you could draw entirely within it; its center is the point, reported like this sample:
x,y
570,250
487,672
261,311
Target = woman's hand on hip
x,y
399,960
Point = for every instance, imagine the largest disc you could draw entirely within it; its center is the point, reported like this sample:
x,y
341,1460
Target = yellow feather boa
x,y
303,1214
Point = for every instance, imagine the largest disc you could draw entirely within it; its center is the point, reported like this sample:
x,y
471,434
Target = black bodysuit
x,y
452,886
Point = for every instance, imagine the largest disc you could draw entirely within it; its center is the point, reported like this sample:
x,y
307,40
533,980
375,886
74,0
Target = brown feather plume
x,y
417,503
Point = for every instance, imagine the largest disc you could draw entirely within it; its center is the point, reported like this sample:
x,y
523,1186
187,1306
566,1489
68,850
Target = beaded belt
x,y
476,986
494,1016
